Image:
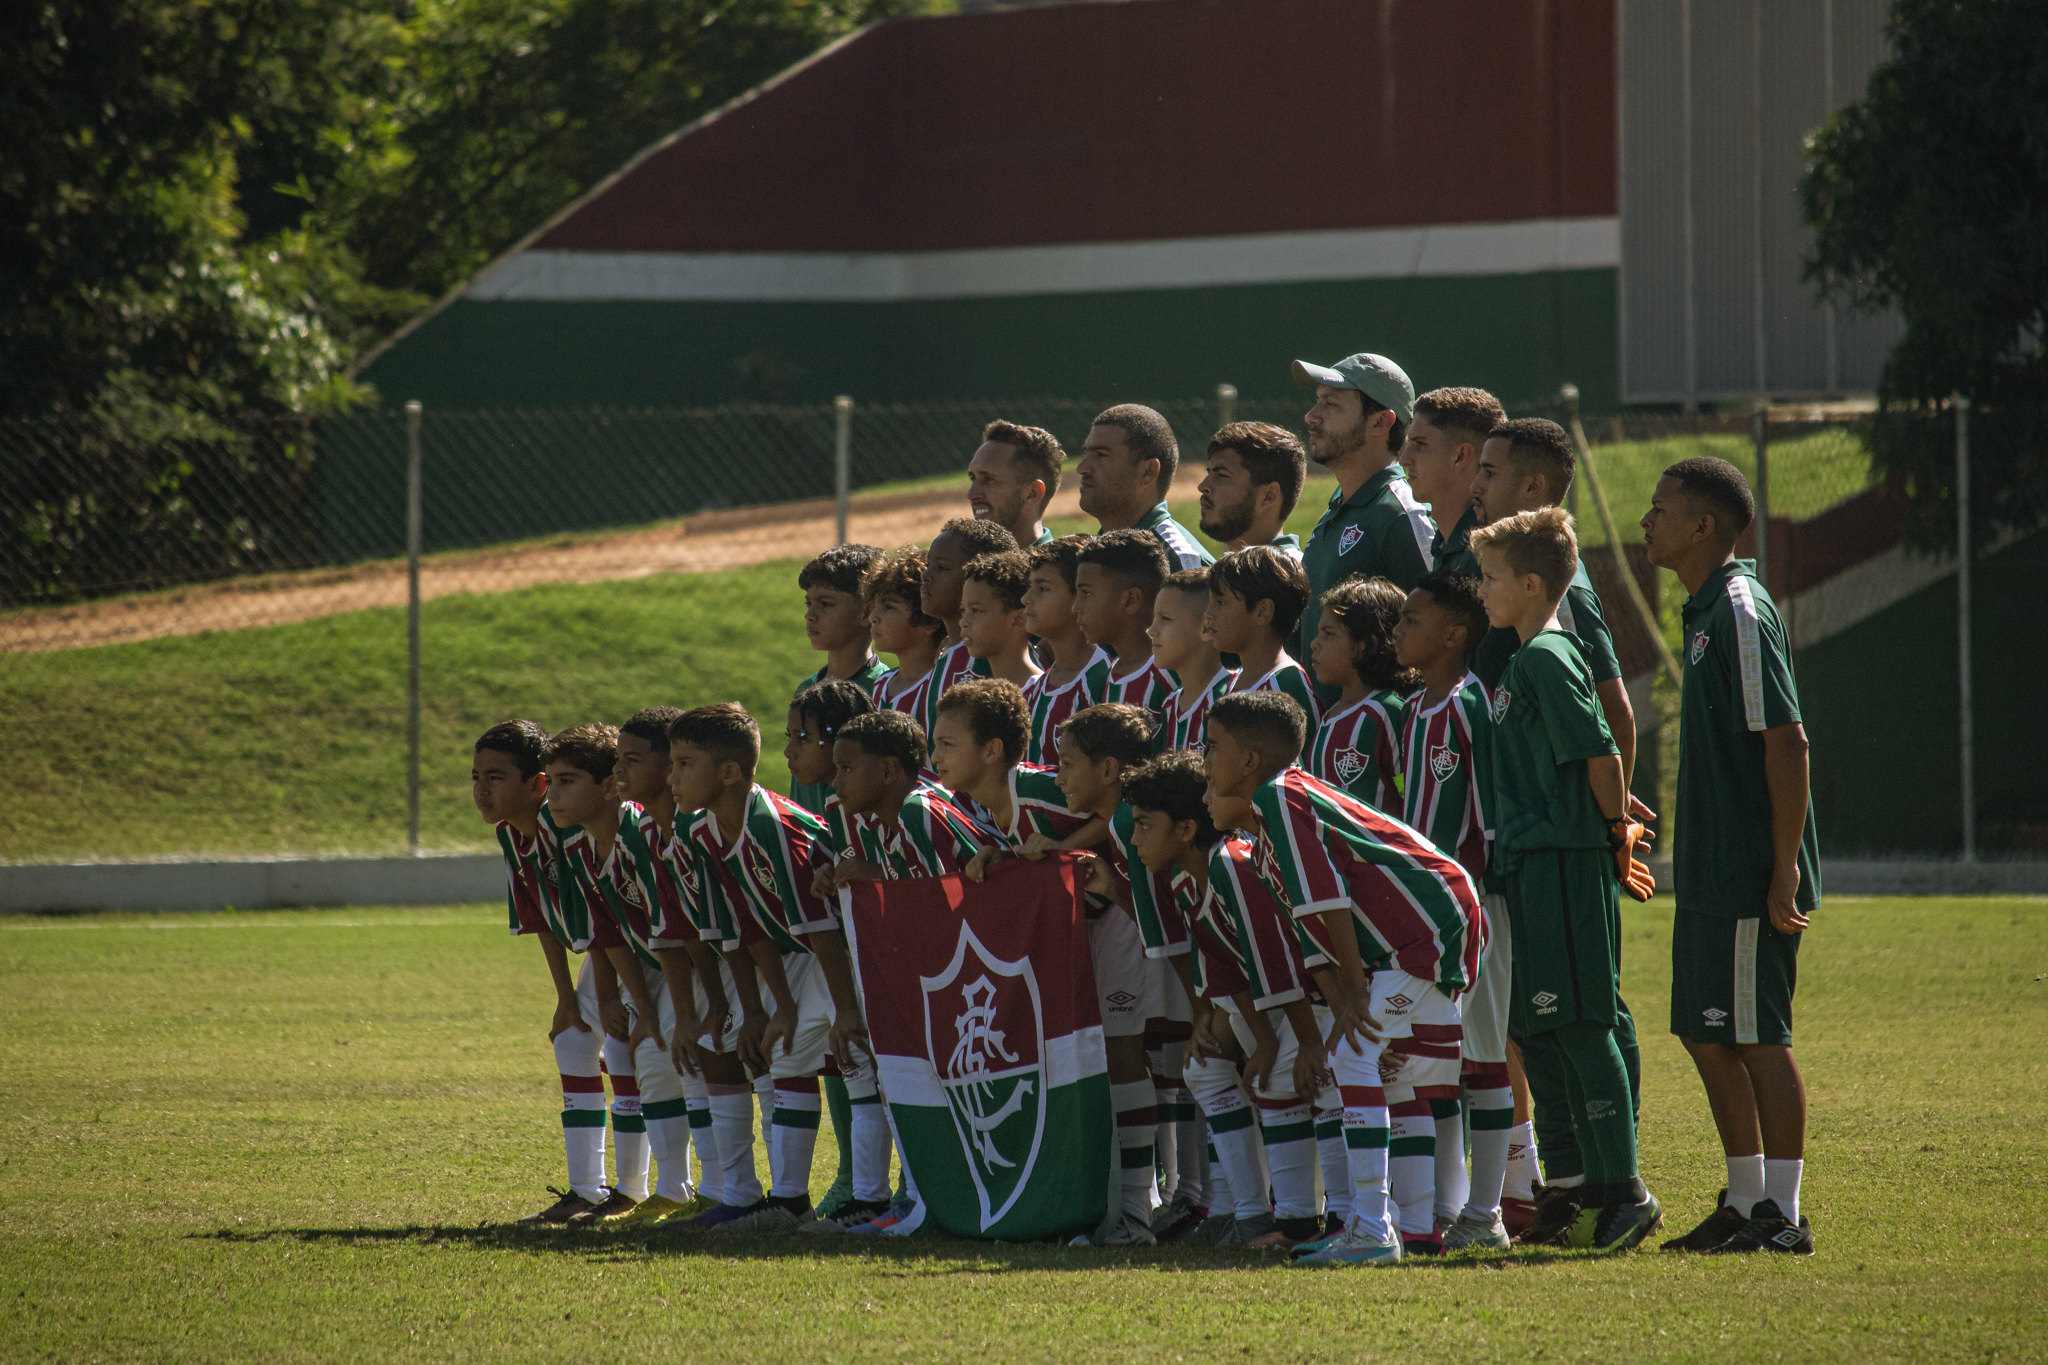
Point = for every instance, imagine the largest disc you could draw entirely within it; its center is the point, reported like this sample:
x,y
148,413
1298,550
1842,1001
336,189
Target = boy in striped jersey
x,y
582,814
772,849
1256,596
1077,672
992,615
1358,745
509,788
891,594
1447,742
1400,920
1115,579
976,749
836,623
1181,645
945,576
1566,845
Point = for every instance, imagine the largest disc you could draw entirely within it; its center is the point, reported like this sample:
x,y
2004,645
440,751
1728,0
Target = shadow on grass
x,y
969,1257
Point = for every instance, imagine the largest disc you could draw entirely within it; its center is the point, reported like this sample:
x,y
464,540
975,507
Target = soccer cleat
x,y
834,1199
1247,1232
653,1209
1716,1228
1517,1216
567,1205
851,1215
767,1220
699,1204
1556,1210
902,1208
1421,1244
1127,1231
1476,1234
1176,1219
1206,1232
718,1215
610,1211
1622,1225
1354,1248
1767,1229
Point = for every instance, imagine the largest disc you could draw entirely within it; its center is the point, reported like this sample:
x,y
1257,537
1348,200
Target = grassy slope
x,y
298,1135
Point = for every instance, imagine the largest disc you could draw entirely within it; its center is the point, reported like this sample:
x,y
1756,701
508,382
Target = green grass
x,y
299,1135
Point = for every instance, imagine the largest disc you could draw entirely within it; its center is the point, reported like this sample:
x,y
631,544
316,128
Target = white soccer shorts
x,y
722,1035
1126,981
812,1046
1484,1008
1422,1032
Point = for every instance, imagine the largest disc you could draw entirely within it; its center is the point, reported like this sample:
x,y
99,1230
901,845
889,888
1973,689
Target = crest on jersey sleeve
x,y
1443,761
1351,536
1500,705
1699,645
985,1035
1349,763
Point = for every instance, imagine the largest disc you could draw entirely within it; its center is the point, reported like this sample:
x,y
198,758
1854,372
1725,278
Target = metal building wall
x,y
1716,100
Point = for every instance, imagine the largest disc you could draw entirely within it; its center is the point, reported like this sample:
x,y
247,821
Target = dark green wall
x,y
1519,335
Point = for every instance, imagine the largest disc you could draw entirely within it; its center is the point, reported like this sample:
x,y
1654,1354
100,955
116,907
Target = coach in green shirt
x,y
1746,859
1373,526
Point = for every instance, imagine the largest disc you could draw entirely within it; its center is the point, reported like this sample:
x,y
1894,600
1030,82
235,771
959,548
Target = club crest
x,y
1443,761
985,1036
629,892
1351,536
1349,763
1699,646
762,874
1501,701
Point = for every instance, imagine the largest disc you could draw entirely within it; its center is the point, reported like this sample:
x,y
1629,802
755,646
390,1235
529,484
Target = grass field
x,y
298,1135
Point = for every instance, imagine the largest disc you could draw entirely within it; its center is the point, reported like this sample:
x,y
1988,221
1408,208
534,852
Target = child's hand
x,y
617,1020
1038,845
1258,1067
646,1030
849,1032
1351,1021
781,1029
824,885
1308,1074
847,871
568,1015
1102,878
978,866
682,1052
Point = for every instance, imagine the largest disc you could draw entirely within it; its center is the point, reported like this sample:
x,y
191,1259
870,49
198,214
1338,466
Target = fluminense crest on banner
x,y
984,1029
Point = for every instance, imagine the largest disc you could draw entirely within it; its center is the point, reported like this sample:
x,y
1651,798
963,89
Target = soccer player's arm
x,y
1258,1063
1589,622
611,1011
1308,1048
678,974
1315,889
753,1020
781,1026
1576,728
848,1027
568,1012
1785,771
1403,557
647,1023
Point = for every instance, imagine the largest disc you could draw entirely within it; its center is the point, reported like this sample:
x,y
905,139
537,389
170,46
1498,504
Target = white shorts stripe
x,y
1745,979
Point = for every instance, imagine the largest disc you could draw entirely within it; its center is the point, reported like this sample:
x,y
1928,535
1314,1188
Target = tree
x,y
1930,195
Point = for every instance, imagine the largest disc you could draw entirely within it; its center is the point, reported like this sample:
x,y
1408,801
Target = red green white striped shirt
x,y
563,904
1291,678
1184,714
1449,761
1145,684
1240,915
1162,919
1359,749
933,838
778,853
1051,706
523,879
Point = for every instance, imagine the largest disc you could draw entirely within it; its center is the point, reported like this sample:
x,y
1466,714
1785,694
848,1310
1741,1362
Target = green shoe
x,y
835,1198
1623,1226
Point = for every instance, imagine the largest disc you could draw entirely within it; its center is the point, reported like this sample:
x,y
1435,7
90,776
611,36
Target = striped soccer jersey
x,y
712,901
635,879
1448,760
933,837
778,853
1184,714
1290,677
955,666
1359,749
566,909
1212,965
1050,706
1146,684
586,870
1037,806
523,879
894,693
1320,848
1239,915
1162,919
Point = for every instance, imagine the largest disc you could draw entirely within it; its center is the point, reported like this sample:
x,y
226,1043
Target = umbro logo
x,y
1597,1109
1786,1237
1714,1017
1545,1002
1122,1000
1398,1002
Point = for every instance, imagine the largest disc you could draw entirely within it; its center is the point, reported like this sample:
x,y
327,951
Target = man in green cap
x,y
1374,526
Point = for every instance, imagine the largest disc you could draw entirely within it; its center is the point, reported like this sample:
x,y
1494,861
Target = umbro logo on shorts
x,y
1122,1000
1714,1017
1545,1002
1398,1003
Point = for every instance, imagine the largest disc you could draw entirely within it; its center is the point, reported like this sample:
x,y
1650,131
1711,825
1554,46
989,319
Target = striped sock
x,y
1452,1185
1290,1140
1238,1181
710,1171
732,1124
1492,1123
1330,1155
576,1061
1165,1061
1357,1068
1411,1160
1523,1169
837,1104
1137,1128
629,1129
793,1136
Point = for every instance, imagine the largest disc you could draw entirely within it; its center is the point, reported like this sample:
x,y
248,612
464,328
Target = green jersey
x,y
1579,613
1738,684
1453,553
1380,530
1547,723
1183,551
812,795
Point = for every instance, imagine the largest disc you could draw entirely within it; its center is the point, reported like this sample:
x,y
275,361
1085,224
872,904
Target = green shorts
x,y
1564,906
1732,980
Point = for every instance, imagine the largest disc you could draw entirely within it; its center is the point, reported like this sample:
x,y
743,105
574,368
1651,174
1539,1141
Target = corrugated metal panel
x,y
1717,98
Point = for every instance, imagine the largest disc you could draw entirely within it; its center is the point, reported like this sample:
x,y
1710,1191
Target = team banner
x,y
987,1037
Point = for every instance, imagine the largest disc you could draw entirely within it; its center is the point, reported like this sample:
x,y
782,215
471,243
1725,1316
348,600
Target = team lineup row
x,y
1348,922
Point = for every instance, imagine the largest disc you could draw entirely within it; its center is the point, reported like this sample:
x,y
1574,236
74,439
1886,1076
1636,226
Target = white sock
x,y
1411,1162
1336,1167
1289,1136
1137,1128
1452,1186
1233,1139
871,1146
710,1170
793,1136
732,1125
1522,1172
1745,1182
1357,1068
576,1061
629,1129
1781,1185
1492,1114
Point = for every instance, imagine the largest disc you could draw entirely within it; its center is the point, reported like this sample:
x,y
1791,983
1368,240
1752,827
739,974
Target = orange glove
x,y
1623,837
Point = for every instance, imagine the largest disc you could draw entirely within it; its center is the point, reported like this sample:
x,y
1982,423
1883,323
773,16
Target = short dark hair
x,y
1540,445
1173,784
1062,554
1269,454
1147,433
1260,573
1717,488
651,724
1472,413
1112,729
1369,609
1368,405
519,740
981,537
888,734
1194,581
1270,723
594,748
1133,558
901,577
995,709
723,729
1007,574
832,702
1457,594
842,568
1037,451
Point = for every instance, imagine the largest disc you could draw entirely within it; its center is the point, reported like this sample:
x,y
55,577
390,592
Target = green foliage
x,y
1930,195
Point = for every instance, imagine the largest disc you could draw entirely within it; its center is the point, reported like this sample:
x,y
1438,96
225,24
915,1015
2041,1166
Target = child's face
x,y
808,752
1098,606
1156,839
889,626
833,619
1499,591
1329,654
499,791
1048,604
575,796
1422,635
1233,776
693,777
956,758
1085,782
1232,626
643,770
942,576
988,628
860,778
1179,639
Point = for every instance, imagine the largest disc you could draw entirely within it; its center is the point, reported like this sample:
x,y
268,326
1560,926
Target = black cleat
x,y
1624,1223
1769,1230
1716,1228
568,1205
1556,1210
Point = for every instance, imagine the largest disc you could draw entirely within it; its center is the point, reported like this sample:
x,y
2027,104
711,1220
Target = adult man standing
x,y
1441,458
1373,526
1127,465
1012,477
1251,485
1746,861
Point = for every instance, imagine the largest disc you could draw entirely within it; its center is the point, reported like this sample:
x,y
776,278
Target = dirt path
x,y
713,540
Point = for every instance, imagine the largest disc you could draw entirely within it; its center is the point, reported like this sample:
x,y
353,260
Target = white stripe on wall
x,y
1085,268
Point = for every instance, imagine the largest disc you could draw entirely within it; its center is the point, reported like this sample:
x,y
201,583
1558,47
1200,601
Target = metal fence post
x,y
1964,681
1761,413
413,517
842,458
1226,404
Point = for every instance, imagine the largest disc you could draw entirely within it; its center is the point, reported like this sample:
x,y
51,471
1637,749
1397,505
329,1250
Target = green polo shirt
x,y
1579,613
1183,551
812,796
1287,544
1453,553
1738,684
1547,723
1044,537
1380,530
